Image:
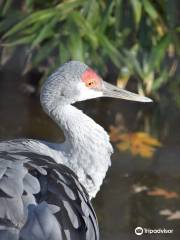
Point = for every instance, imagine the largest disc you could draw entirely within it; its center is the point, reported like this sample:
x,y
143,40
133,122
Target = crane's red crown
x,y
91,79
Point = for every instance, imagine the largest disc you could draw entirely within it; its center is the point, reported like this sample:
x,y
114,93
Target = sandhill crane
x,y
46,188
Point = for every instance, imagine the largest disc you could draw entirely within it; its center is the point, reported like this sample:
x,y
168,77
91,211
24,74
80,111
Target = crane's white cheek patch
x,y
87,93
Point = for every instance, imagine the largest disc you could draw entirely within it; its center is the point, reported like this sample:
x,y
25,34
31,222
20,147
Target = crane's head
x,y
75,81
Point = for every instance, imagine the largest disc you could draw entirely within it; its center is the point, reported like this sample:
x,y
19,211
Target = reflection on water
x,y
118,207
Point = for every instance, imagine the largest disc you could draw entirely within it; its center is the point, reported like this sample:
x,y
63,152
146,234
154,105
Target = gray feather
x,y
12,209
41,224
40,199
9,234
31,184
72,215
2,171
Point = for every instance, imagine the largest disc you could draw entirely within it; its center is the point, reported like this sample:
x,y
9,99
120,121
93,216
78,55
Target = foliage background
x,y
136,40
133,43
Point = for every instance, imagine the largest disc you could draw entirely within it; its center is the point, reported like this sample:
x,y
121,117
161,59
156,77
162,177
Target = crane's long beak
x,y
110,90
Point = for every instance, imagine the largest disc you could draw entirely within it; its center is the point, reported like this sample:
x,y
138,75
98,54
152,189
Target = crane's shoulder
x,y
40,199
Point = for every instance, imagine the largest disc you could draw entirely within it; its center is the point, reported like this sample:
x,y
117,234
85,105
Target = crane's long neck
x,y
86,148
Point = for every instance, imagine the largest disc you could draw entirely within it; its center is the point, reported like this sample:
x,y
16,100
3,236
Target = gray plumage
x,y
41,200
45,188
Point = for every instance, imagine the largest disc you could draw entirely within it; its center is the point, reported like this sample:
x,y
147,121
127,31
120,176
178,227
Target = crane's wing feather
x,y
42,200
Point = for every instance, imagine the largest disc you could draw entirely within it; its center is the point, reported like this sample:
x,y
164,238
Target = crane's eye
x,y
90,83
91,79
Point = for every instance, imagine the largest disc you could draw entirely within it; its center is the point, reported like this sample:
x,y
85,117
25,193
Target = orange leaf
x,y
163,193
140,143
123,146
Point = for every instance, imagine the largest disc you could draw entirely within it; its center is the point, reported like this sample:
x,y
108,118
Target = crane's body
x,y
85,142
55,182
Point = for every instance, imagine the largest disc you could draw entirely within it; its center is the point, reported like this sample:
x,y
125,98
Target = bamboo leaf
x,y
97,31
85,27
31,19
158,52
118,15
131,60
76,46
45,33
68,6
93,13
161,80
6,7
150,9
23,40
106,18
63,53
137,7
109,48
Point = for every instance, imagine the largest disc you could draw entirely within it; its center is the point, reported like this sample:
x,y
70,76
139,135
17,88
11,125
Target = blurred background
x,y
133,44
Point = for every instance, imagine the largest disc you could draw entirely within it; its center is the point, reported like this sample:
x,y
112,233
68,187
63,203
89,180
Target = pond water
x,y
118,208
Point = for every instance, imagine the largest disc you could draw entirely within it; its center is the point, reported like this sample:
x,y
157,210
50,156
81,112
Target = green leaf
x,y
20,41
85,28
118,15
46,32
92,10
68,6
6,7
150,9
137,7
76,46
133,63
158,52
35,28
106,18
63,53
109,48
31,19
161,80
